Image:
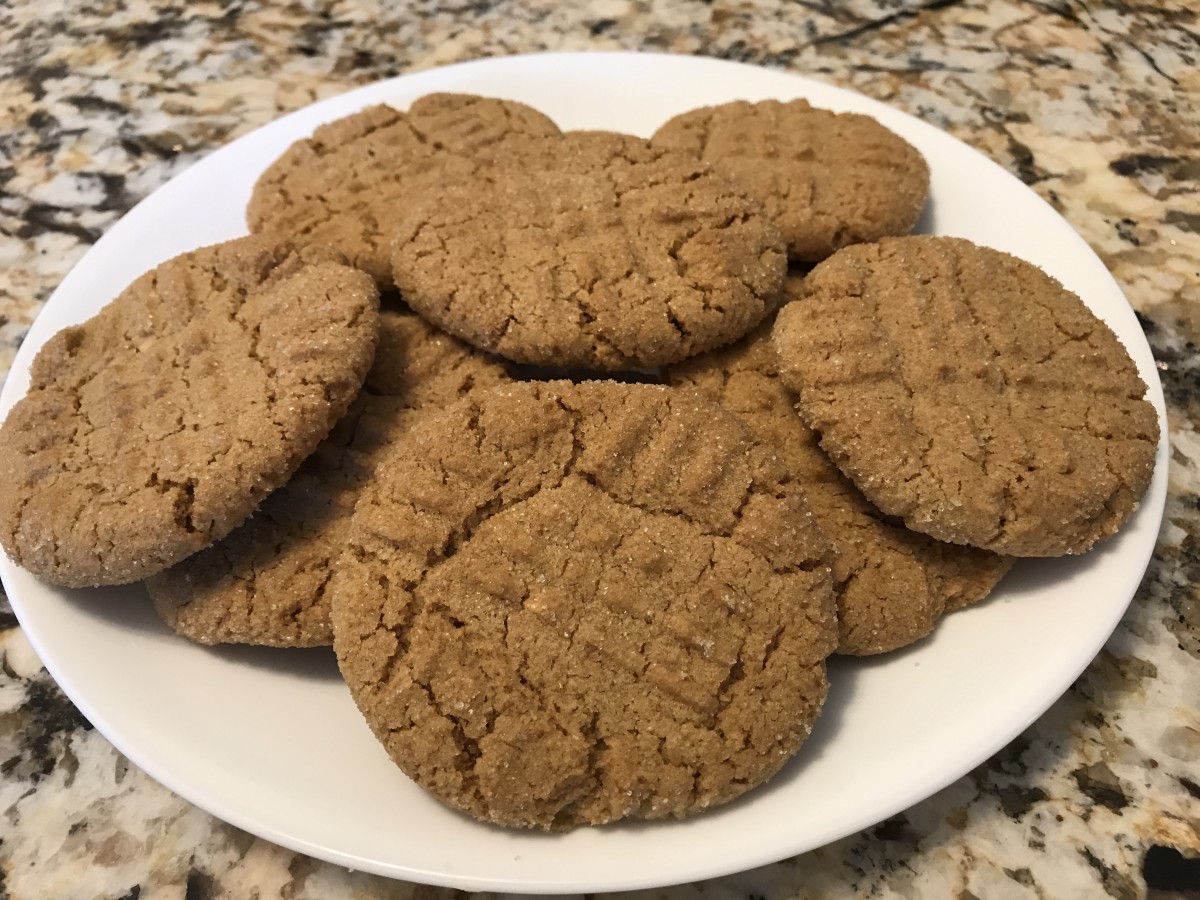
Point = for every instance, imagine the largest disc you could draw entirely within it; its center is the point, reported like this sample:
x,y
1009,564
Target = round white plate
x,y
270,740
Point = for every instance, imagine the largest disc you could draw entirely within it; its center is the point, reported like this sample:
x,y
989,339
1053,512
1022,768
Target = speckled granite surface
x,y
1094,105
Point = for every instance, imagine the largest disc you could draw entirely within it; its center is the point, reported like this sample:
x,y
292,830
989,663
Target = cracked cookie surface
x,y
967,392
566,604
345,184
156,427
827,179
266,582
891,584
595,251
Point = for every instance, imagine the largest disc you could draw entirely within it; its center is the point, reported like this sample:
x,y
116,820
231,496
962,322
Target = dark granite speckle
x,y
1188,221
1099,783
1166,869
1115,884
45,724
1017,800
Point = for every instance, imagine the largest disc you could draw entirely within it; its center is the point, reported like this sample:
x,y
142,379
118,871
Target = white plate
x,y
270,740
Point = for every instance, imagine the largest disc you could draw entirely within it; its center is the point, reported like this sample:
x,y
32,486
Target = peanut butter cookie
x,y
827,179
158,425
345,185
566,604
969,393
597,252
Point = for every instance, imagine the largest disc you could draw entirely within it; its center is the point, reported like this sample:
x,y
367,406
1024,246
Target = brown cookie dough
x,y
969,393
157,426
597,252
891,584
345,185
567,604
827,179
266,582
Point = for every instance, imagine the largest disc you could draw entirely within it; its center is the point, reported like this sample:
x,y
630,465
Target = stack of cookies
x,y
583,451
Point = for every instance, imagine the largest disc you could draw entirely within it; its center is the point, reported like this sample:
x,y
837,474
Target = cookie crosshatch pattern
x,y
592,250
157,426
1085,105
629,617
1019,424
347,183
827,180
266,583
892,585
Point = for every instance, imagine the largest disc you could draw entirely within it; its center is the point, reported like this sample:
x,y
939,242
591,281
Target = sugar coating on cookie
x,y
969,393
567,604
345,184
597,252
156,427
892,585
827,179
266,582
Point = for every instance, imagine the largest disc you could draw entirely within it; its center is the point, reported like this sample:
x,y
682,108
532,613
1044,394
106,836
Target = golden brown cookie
x,y
598,252
827,179
566,604
266,582
345,185
969,393
891,584
157,426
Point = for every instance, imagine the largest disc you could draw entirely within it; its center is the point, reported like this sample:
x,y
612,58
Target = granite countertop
x,y
1093,105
